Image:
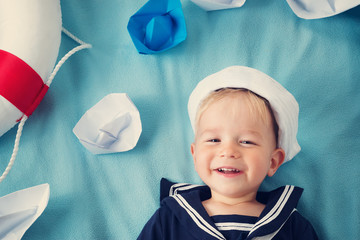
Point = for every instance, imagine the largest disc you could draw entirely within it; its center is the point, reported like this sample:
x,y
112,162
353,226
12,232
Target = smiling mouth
x,y
228,170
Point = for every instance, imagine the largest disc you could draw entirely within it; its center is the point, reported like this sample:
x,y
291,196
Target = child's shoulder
x,y
297,227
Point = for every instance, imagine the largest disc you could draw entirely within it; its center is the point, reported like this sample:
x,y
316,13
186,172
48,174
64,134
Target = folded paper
x,y
157,26
211,5
310,9
112,125
19,210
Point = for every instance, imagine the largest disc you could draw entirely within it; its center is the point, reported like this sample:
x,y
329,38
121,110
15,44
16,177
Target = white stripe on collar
x,y
276,210
226,226
200,221
175,188
271,235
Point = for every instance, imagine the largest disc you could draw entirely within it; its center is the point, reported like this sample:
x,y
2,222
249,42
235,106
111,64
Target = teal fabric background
x,y
112,196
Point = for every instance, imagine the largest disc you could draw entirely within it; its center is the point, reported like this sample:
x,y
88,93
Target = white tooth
x,y
227,170
230,169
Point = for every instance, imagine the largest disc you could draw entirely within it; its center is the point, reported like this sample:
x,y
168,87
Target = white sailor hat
x,y
282,102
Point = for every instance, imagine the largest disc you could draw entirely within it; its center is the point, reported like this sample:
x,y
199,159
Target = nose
x,y
230,150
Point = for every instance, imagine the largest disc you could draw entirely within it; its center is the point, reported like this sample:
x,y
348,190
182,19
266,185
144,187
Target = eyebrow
x,y
244,132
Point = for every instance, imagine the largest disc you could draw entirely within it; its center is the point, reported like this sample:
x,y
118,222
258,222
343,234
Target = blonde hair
x,y
258,105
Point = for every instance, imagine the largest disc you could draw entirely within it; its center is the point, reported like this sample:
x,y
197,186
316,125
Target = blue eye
x,y
214,140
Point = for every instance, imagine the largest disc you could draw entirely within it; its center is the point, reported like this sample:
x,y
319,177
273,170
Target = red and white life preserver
x,y
30,35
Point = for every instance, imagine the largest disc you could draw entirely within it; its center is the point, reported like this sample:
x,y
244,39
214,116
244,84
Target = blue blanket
x,y
112,196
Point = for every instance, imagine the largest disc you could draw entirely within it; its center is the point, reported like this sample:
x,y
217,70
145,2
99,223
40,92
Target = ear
x,y
192,149
278,157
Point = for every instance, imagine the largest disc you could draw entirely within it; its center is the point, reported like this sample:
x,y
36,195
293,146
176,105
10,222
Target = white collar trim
x,y
276,210
196,217
227,226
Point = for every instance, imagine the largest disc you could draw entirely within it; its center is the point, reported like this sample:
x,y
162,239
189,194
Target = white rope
x,y
16,148
83,45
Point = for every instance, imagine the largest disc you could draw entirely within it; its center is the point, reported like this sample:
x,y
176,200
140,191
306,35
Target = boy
x,y
245,126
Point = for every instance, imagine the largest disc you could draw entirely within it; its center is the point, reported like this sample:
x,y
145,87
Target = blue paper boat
x,y
157,26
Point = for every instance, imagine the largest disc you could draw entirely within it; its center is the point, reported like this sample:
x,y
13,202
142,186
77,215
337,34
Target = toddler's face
x,y
234,149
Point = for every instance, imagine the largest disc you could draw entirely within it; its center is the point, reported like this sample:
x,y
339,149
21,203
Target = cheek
x,y
201,161
197,167
260,162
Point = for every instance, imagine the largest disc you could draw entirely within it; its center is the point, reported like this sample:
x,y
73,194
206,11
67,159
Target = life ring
x,y
30,36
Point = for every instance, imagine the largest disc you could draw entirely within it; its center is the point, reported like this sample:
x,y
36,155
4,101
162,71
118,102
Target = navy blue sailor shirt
x,y
182,216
